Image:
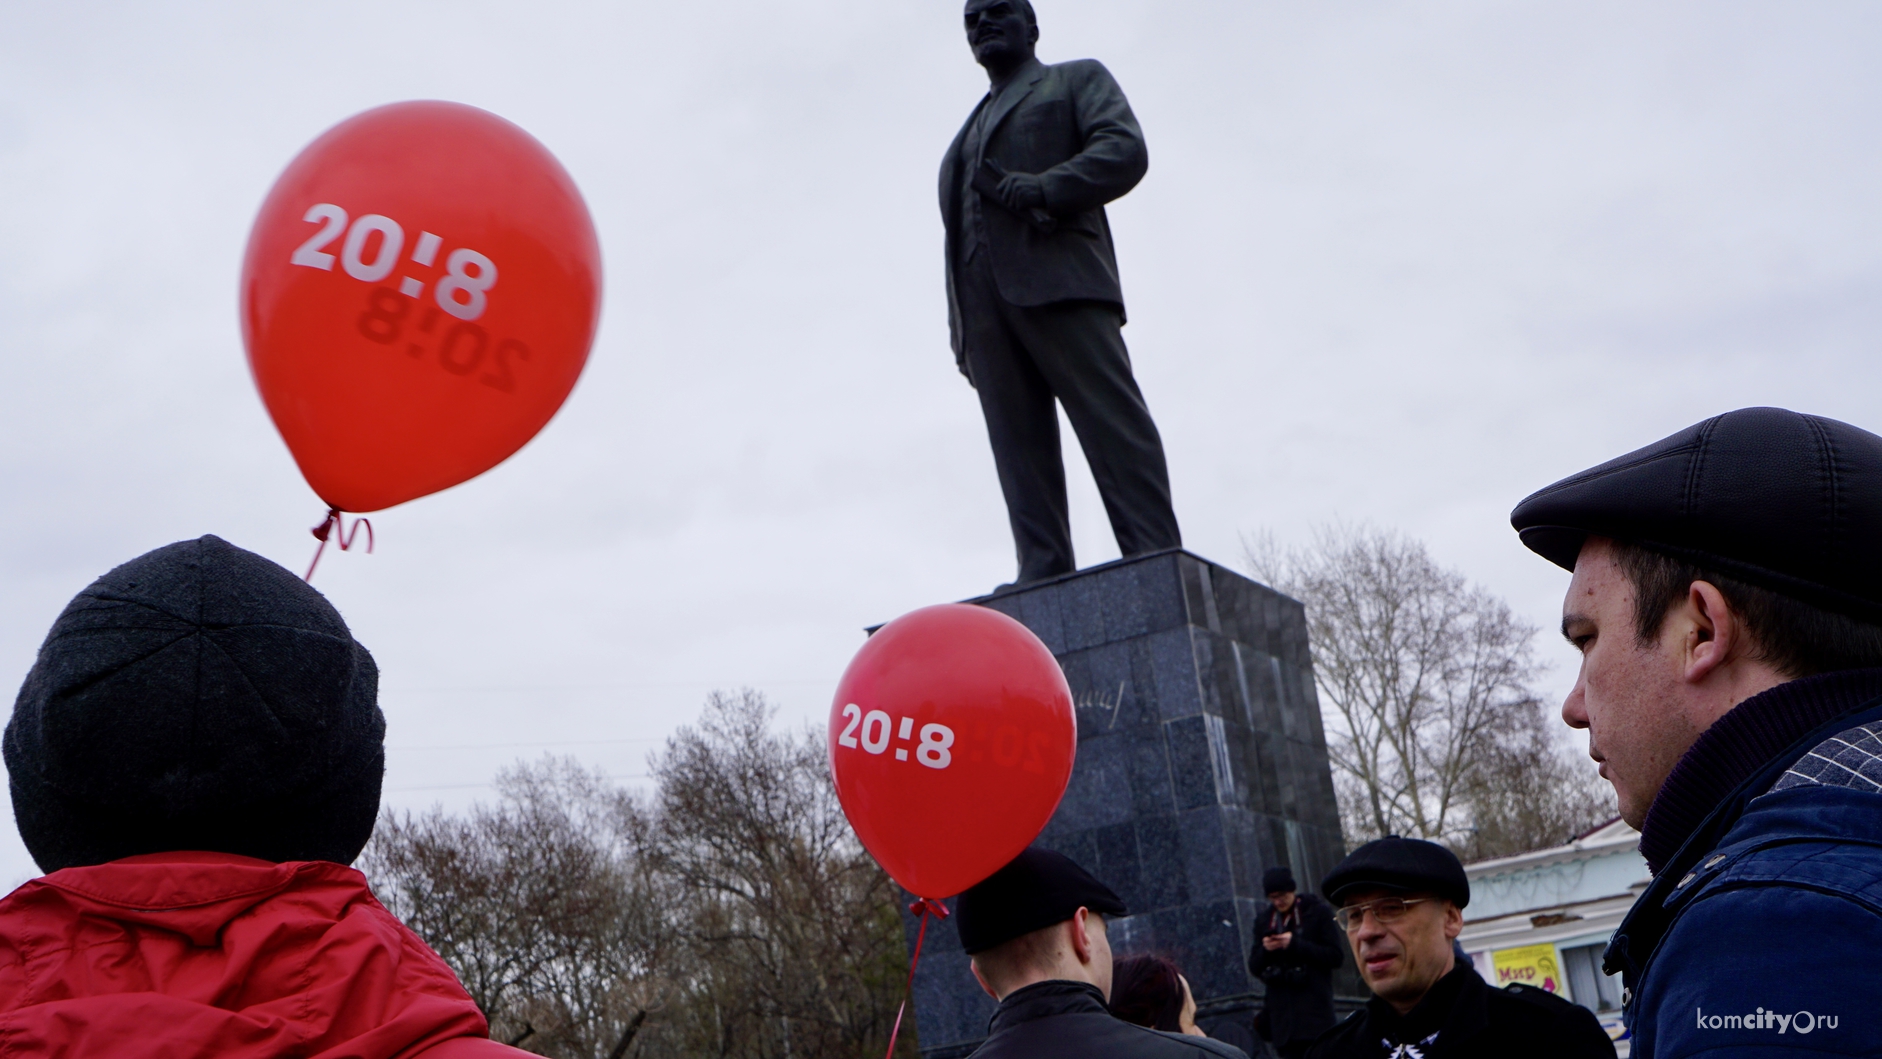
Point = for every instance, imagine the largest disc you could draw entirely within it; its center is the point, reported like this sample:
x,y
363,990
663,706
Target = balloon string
x,y
333,526
924,908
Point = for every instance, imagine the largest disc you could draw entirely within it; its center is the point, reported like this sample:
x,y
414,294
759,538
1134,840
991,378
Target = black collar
x,y
1040,1000
1453,1009
1639,934
1740,743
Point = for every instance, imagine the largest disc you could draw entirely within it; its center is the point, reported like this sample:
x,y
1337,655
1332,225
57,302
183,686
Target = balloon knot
x,y
334,527
928,906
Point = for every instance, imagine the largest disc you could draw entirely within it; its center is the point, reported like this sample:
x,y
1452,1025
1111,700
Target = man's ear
x,y
1713,633
1453,921
1081,935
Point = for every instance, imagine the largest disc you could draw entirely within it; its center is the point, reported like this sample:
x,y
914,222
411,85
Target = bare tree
x,y
729,913
538,903
1435,731
797,948
1530,791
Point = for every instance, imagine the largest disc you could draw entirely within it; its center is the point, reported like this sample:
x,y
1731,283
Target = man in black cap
x,y
1401,902
1726,599
1297,949
1036,932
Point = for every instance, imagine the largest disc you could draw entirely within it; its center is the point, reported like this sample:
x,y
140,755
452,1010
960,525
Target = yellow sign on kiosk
x,y
1534,965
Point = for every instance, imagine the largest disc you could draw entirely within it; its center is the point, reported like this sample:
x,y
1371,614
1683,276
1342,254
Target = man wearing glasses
x,y
1400,902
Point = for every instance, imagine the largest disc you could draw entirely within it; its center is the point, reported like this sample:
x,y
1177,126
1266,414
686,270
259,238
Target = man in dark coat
x,y
1401,902
1034,305
1726,600
1036,932
1297,949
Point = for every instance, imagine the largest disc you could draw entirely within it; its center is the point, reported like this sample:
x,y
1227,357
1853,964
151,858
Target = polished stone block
x,y
1201,763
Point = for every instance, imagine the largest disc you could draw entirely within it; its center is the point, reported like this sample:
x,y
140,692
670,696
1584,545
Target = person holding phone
x,y
1401,904
1296,951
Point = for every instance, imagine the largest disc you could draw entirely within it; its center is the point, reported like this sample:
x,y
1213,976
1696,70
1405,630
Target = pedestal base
x,y
1201,762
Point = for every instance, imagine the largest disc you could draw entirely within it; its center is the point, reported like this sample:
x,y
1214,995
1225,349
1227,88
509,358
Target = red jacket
x,y
191,955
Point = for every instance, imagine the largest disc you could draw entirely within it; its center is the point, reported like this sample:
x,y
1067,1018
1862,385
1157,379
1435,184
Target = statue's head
x,y
1001,32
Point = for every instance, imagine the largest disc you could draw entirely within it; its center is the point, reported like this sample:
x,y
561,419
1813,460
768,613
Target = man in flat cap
x,y
1400,902
1297,949
1726,599
1036,932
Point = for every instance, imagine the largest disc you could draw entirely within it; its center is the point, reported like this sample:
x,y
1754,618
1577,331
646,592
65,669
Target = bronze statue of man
x,y
1034,307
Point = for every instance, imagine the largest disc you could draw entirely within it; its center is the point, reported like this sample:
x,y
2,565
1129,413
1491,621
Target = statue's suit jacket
x,y
1070,125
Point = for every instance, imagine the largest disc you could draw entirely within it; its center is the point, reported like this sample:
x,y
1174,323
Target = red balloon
x,y
951,742
418,298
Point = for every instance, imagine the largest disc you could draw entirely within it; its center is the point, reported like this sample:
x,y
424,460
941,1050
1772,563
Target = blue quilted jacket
x,y
1763,934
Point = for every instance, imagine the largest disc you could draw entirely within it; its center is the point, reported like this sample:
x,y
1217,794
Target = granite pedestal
x,y
1201,762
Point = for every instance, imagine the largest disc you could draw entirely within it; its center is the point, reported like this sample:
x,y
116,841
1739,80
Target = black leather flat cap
x,y
1036,889
1395,863
1775,498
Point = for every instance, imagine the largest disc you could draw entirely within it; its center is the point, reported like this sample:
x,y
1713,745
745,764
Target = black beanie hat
x,y
1036,889
199,697
1277,881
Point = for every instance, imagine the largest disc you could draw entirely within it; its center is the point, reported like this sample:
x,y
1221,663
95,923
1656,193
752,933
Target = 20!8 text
x,y
464,292
935,738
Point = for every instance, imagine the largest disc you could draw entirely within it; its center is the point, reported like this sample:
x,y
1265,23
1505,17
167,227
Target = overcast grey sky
x,y
1393,262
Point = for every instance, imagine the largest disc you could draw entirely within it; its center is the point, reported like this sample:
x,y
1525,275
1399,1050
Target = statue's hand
x,y
1022,192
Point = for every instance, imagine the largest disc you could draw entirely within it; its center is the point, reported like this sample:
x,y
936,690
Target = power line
x,y
522,746
493,783
612,686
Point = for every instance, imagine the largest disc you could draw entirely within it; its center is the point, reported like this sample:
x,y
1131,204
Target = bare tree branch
x,y
729,913
1435,731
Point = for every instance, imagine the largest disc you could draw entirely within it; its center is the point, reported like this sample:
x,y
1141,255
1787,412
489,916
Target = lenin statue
x,y
1034,307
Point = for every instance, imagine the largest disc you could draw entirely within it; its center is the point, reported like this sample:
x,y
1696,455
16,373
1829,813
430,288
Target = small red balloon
x,y
951,742
419,295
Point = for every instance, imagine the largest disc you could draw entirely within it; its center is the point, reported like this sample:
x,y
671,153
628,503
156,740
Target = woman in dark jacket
x,y
1297,949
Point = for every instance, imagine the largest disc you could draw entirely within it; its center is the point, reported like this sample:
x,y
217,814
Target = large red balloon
x,y
951,741
418,298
